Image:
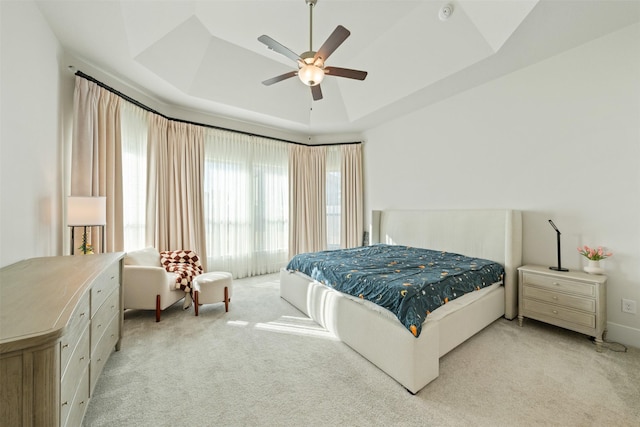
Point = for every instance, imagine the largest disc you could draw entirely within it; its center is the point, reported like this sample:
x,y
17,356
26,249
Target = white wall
x,y
558,140
30,135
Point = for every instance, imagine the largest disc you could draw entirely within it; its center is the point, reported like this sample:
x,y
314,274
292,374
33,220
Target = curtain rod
x,y
151,110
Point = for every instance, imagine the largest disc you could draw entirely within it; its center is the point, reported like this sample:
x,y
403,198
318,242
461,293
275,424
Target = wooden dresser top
x,y
38,295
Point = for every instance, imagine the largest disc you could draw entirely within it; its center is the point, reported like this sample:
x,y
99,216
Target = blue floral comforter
x,y
409,282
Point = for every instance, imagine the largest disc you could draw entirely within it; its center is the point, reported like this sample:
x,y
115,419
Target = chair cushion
x,y
147,256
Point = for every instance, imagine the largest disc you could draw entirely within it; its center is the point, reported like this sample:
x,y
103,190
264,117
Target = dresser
x,y
60,320
573,300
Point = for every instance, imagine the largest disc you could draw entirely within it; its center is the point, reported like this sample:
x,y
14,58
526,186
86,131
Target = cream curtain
x,y
307,199
266,200
352,227
175,208
96,157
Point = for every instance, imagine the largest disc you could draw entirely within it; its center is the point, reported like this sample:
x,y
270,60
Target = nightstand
x,y
573,300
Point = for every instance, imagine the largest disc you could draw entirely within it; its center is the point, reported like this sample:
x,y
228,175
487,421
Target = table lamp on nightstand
x,y
86,212
559,267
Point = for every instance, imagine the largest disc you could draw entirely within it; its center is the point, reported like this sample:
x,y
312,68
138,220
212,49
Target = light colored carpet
x,y
264,364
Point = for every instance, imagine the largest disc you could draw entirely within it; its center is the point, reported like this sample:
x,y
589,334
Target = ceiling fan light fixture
x,y
311,69
310,74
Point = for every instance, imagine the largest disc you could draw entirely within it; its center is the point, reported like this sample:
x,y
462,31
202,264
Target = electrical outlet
x,y
628,306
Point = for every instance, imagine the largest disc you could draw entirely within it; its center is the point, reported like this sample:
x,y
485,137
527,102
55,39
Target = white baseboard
x,y
623,334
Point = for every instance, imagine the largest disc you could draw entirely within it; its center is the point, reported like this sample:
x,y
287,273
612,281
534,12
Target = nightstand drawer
x,y
547,311
557,284
570,301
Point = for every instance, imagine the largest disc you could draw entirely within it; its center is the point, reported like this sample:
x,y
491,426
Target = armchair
x,y
147,285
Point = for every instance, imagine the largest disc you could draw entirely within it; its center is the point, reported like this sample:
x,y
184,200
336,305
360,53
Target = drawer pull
x,y
100,326
99,290
555,297
65,345
555,311
65,403
82,314
82,358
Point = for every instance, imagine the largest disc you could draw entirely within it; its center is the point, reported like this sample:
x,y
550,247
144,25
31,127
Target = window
x,y
246,203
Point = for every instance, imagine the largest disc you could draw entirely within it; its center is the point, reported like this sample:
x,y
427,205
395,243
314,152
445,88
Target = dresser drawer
x,y
570,301
549,311
71,379
77,324
103,350
102,287
72,413
557,284
101,320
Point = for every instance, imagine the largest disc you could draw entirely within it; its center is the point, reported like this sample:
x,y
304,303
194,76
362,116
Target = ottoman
x,y
209,288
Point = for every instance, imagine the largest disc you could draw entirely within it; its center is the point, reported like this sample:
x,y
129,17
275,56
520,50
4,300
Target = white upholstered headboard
x,y
494,234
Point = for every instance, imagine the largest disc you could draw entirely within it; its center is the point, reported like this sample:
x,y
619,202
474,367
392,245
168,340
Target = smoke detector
x,y
445,12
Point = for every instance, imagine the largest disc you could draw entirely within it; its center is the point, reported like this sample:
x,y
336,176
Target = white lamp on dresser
x,y
86,212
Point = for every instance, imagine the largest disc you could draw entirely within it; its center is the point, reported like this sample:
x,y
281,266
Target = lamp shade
x,y
86,211
311,75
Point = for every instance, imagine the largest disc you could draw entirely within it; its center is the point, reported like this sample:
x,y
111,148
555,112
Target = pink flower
x,y
594,254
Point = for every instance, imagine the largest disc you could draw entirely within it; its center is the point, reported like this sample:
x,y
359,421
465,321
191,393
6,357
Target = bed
x,y
494,234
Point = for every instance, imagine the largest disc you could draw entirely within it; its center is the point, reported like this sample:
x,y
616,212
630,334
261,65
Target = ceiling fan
x,y
311,65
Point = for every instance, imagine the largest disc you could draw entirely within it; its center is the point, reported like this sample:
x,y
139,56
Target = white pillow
x,y
147,256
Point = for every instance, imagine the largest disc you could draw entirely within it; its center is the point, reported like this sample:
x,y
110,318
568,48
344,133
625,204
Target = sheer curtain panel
x,y
334,197
135,126
246,201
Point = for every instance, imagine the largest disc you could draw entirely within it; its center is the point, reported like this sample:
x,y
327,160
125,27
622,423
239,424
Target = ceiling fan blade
x,y
316,92
277,47
336,38
345,72
279,78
